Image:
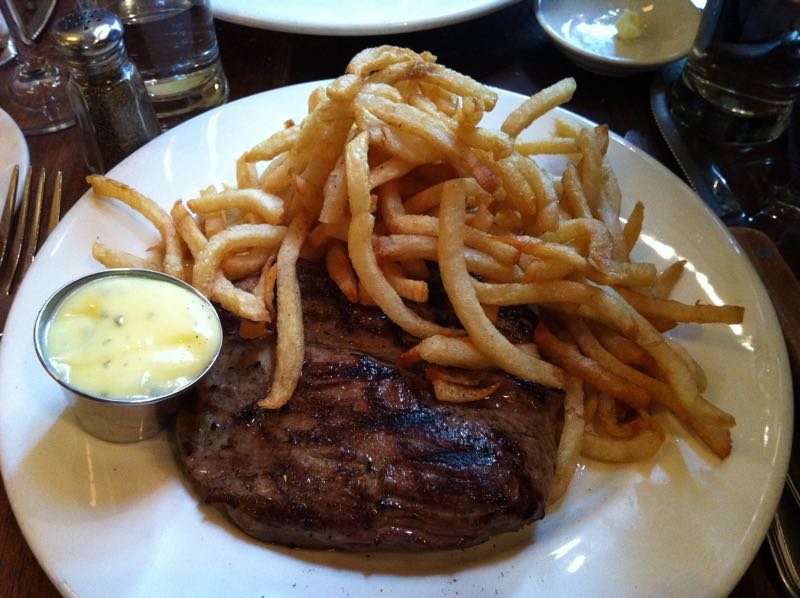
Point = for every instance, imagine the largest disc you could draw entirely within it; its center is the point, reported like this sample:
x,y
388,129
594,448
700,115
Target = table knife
x,y
703,175
36,14
709,182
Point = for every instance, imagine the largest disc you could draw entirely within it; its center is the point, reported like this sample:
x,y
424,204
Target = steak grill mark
x,y
363,457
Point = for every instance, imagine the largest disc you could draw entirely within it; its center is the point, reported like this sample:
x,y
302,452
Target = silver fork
x,y
20,233
784,538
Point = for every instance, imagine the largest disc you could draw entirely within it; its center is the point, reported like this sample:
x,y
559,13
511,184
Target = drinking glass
x,y
735,104
742,77
174,46
37,98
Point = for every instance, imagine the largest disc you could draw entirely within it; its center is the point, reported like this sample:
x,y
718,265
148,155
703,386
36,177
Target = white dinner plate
x,y
585,31
121,520
352,17
13,151
7,48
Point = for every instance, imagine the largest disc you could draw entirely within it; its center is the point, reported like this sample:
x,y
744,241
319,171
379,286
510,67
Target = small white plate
x,y
353,17
13,150
585,31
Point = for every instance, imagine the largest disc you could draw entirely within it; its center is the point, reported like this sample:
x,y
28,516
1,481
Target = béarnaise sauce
x,y
131,337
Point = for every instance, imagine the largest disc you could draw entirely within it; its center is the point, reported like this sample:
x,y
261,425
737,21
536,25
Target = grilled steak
x,y
363,457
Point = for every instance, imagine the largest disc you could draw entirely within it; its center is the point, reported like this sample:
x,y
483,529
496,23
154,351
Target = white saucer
x,y
585,30
13,150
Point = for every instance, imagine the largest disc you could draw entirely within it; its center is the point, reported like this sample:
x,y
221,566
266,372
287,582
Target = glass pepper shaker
x,y
107,94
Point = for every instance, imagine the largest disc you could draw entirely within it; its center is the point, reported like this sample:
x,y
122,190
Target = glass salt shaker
x,y
107,94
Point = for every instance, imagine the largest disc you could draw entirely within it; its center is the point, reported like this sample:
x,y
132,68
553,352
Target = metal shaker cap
x,y
89,36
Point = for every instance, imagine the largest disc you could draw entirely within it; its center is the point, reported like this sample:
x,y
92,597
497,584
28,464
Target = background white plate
x,y
107,519
352,17
13,150
585,31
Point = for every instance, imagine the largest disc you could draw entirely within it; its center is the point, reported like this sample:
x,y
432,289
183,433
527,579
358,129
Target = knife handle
x,y
784,290
781,284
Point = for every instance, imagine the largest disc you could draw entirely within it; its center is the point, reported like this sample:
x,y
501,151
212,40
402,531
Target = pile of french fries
x,y
389,177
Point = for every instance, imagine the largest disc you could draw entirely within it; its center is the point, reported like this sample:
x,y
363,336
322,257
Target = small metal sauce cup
x,y
115,419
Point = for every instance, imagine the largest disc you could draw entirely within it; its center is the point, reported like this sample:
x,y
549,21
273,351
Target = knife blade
x,y
37,14
781,284
704,176
31,17
784,291
746,186
758,181
7,49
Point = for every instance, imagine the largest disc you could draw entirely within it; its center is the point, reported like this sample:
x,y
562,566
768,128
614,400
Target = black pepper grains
x,y
108,96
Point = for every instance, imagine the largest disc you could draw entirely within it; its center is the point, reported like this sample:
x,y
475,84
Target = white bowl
x,y
585,31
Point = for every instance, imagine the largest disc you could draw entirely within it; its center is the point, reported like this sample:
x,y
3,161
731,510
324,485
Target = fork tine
x,y
31,241
8,213
11,258
55,206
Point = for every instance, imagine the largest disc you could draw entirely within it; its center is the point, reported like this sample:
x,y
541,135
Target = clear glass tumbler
x,y
742,76
36,95
174,46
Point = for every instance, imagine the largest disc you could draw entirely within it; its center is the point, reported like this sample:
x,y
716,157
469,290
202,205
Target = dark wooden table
x,y
506,49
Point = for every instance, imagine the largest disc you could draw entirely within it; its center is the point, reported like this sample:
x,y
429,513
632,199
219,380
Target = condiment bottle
x,y
107,94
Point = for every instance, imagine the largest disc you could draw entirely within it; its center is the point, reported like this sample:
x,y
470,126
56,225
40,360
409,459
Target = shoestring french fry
x,y
570,444
451,351
341,270
188,228
554,145
667,280
173,254
453,392
268,208
457,284
632,228
574,198
246,174
207,275
289,316
680,312
114,258
537,105
569,357
392,181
